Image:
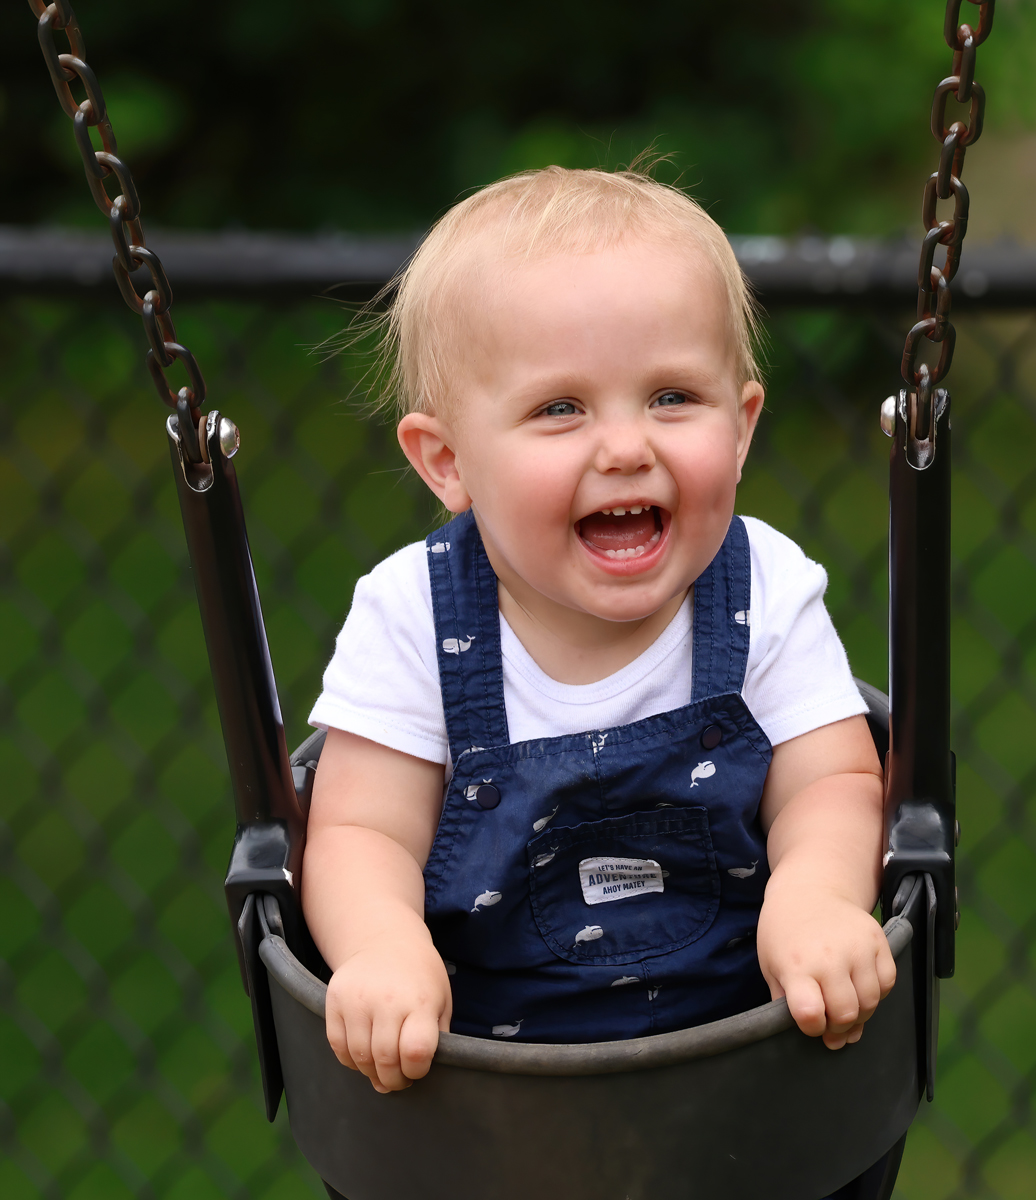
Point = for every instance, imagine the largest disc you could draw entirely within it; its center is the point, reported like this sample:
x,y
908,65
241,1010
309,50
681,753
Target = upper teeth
x,y
635,511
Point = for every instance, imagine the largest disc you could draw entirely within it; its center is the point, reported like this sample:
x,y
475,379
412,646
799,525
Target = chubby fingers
x,y
391,1050
386,1072
418,1039
835,1041
357,1046
350,1039
827,1008
851,1000
885,965
873,979
806,1004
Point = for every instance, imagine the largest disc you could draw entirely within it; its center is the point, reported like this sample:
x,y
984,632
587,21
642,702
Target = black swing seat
x,y
743,1108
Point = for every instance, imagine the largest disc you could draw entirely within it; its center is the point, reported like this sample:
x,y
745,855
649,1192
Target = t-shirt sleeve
x,y
798,677
382,682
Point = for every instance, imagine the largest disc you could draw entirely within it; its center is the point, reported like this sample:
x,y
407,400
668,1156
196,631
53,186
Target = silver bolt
x,y
888,416
229,437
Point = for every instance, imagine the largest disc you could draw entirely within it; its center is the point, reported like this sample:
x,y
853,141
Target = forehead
x,y
653,290
493,265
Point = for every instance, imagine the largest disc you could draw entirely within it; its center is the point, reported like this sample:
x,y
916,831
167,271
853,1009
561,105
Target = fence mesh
x,y
128,1068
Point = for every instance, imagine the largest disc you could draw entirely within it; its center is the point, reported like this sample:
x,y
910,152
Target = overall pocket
x,y
625,888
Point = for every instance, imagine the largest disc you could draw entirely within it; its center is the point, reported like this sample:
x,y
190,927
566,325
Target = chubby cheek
x,y
526,509
707,477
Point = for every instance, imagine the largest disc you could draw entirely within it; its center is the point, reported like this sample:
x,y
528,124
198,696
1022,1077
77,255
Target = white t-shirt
x,y
382,682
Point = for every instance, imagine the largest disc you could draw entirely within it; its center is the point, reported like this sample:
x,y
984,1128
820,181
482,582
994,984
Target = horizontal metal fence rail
x,y
797,271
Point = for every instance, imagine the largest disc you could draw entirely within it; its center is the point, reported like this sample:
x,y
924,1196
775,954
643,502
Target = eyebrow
x,y
676,375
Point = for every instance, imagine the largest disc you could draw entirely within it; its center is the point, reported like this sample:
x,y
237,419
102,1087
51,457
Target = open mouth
x,y
622,533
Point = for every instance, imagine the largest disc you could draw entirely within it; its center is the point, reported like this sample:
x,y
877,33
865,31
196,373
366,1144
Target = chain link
x,y
123,213
933,282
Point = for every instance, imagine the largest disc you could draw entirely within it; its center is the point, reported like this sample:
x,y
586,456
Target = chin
x,y
622,609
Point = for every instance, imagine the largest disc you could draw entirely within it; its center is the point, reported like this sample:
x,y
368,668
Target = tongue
x,y
605,532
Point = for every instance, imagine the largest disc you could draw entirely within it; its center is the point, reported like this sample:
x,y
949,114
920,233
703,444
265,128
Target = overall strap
x,y
467,636
722,604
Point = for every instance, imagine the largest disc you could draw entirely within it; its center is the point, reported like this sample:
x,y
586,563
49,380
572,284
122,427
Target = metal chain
x,y
933,282
123,213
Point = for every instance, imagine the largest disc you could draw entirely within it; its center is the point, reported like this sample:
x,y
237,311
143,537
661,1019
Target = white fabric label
x,y
607,879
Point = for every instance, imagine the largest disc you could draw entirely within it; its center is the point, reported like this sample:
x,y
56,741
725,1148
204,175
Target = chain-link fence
x,y
127,1067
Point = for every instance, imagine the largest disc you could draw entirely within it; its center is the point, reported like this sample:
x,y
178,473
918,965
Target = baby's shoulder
x,y
395,595
401,574
783,575
773,550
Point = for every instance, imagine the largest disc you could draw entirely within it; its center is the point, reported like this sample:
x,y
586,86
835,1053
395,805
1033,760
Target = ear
x,y
428,444
752,397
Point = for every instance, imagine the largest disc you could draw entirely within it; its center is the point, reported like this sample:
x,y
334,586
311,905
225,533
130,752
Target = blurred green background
x,y
126,1062
377,114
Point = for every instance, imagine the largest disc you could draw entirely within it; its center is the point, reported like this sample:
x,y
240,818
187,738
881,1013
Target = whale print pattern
x,y
704,770
743,872
471,790
623,980
506,1030
541,860
589,933
597,743
458,645
487,899
653,993
543,822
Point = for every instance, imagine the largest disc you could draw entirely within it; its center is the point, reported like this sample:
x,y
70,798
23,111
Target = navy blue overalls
x,y
606,884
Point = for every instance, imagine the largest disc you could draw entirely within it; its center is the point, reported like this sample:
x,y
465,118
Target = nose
x,y
623,447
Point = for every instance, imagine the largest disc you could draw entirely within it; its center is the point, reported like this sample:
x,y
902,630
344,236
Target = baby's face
x,y
597,427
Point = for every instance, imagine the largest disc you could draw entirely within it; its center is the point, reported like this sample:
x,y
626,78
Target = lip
x,y
628,567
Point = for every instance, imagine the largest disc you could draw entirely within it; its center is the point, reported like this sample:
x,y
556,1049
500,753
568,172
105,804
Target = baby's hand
x,y
385,1007
831,960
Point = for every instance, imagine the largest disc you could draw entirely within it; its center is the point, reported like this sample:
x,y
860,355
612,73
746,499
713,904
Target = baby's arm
x,y
822,811
371,825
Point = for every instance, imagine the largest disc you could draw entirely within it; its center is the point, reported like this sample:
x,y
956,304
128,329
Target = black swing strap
x,y
269,795
920,776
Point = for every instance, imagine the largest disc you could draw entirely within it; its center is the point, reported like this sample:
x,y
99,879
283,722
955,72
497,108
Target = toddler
x,y
595,765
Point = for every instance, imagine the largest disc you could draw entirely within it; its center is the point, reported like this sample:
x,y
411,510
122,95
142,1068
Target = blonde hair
x,y
531,215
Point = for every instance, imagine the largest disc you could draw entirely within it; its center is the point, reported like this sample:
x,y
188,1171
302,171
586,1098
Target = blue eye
x,y
671,399
560,408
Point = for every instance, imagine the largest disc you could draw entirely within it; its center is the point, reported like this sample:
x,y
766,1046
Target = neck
x,y
577,647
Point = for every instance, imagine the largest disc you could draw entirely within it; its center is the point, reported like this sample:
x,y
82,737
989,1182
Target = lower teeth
x,y
636,552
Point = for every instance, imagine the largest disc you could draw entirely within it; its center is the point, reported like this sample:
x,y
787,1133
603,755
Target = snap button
x,y
711,737
487,796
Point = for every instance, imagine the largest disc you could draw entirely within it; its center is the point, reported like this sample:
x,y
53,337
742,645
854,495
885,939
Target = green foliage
x,y
377,114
